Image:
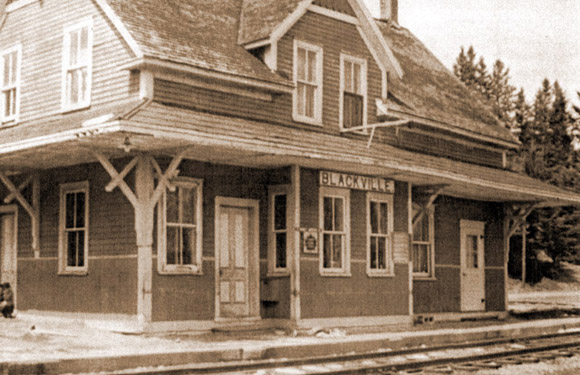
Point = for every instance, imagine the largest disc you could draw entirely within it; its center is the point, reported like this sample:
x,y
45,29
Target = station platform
x,y
33,347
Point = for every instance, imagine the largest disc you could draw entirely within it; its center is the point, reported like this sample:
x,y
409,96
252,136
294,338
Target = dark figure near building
x,y
7,301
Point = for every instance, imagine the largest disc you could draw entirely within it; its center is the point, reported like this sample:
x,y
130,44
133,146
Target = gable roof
x,y
429,91
198,33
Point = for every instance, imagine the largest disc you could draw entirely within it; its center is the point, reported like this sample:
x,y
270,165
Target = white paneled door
x,y
472,266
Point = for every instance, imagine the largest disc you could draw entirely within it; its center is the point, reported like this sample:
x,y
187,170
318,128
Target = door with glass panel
x,y
472,266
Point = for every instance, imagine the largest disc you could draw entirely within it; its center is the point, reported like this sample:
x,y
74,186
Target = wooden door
x,y
8,250
234,250
472,266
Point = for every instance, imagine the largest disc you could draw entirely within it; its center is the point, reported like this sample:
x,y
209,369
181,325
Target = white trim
x,y
273,192
364,87
318,96
358,321
18,4
193,269
63,268
389,271
165,66
410,231
287,24
295,306
120,26
333,14
271,57
146,84
471,227
16,86
380,64
253,286
343,194
67,30
430,215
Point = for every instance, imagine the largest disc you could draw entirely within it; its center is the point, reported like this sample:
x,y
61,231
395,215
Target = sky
x,y
536,39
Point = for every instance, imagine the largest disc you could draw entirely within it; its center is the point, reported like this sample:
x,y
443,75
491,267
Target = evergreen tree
x,y
464,67
501,94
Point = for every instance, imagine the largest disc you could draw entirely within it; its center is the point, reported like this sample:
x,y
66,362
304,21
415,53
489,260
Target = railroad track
x,y
449,359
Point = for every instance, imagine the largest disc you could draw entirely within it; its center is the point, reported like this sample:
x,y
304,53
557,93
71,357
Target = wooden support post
x,y
524,240
295,311
506,247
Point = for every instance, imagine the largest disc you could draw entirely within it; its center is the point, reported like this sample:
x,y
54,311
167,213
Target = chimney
x,y
390,10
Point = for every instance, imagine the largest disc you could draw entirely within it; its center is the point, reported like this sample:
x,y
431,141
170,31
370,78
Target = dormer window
x,y
11,61
77,65
308,81
353,91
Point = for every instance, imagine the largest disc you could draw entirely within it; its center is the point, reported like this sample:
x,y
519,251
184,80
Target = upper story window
x,y
308,80
11,66
379,230
74,228
422,243
353,91
179,228
335,231
278,228
77,65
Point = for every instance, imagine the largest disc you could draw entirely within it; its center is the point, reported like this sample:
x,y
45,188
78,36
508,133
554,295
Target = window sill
x,y
277,274
335,274
307,120
180,272
8,123
74,273
381,274
75,108
424,278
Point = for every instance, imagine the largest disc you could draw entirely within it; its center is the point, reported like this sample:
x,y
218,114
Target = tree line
x,y
549,131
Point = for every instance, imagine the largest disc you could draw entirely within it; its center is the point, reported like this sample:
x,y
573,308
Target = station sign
x,y
356,182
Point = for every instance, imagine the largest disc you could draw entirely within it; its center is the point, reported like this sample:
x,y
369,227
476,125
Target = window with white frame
x,y
74,228
11,60
308,80
353,91
335,231
379,234
278,228
422,242
77,65
179,227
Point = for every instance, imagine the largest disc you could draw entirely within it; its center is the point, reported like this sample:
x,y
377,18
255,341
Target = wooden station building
x,y
192,164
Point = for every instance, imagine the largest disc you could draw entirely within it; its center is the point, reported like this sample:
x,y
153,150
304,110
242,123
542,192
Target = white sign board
x,y
356,182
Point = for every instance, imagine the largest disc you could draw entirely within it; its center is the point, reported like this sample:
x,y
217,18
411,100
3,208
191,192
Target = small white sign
x,y
310,241
356,182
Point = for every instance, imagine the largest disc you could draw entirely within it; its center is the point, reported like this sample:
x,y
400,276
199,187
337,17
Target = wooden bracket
x,y
434,192
32,208
517,215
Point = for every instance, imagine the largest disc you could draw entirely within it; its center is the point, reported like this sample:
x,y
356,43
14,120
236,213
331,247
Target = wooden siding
x,y
443,293
341,6
358,294
39,28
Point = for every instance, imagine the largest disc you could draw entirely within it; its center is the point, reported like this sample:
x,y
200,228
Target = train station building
x,y
192,165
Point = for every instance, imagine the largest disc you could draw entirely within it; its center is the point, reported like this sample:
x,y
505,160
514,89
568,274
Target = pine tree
x,y
464,67
501,94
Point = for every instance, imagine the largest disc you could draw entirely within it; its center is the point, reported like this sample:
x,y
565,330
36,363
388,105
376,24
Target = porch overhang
x,y
263,145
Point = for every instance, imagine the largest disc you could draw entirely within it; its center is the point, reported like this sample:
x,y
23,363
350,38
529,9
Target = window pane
x,y
7,67
187,205
8,103
301,64
472,259
80,248
172,208
327,255
312,66
80,210
357,89
373,255
374,217
84,43
301,98
382,253
73,84
70,210
83,88
172,242
280,250
280,212
348,76
71,256
74,53
421,258
328,213
309,99
338,214
188,246
384,218
337,251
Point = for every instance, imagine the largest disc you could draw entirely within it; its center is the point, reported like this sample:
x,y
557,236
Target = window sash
x,y
308,80
334,228
422,244
353,95
77,65
74,228
10,81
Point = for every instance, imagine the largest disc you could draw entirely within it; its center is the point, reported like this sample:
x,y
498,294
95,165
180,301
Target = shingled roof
x,y
430,91
259,18
199,33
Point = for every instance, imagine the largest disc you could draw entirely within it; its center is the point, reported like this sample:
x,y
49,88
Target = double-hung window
x,y
379,234
74,228
11,61
180,227
335,231
353,91
422,243
77,65
308,81
279,200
